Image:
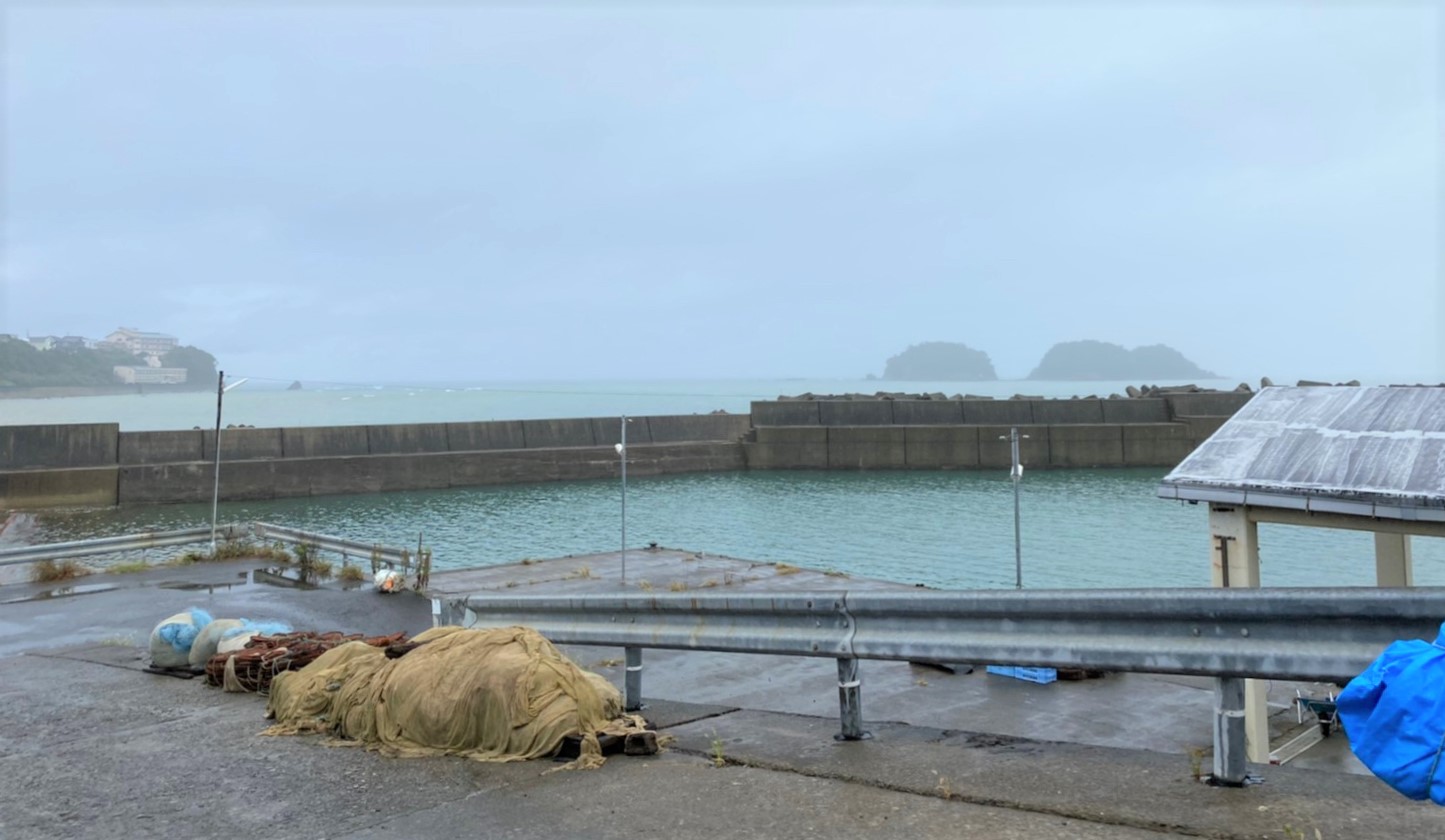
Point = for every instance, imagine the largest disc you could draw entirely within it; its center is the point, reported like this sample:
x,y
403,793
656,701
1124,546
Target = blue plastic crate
x,y
1042,676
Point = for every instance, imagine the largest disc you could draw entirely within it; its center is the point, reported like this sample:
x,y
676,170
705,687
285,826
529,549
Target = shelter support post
x,y
1229,737
1234,562
1393,563
850,704
632,682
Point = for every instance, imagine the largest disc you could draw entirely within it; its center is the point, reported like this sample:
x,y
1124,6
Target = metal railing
x,y
393,557
1292,634
190,536
114,545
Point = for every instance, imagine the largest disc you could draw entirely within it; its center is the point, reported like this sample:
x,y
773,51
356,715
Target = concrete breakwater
x,y
97,464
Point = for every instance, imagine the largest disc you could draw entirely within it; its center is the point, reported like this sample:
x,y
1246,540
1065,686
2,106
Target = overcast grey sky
x,y
362,193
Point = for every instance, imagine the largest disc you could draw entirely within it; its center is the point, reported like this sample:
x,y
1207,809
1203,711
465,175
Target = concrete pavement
x,y
91,746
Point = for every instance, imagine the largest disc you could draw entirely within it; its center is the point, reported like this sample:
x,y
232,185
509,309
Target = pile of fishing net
x,y
254,664
503,694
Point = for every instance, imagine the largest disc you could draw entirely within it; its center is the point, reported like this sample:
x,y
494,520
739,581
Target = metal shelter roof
x,y
1361,451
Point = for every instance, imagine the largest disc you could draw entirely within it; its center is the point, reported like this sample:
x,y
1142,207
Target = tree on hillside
x,y
200,366
940,361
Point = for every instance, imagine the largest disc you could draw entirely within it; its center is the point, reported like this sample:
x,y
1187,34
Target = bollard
x,y
850,703
1229,768
632,682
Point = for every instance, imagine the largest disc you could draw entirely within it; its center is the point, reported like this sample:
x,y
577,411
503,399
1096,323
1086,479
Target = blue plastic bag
x,y
1394,716
180,636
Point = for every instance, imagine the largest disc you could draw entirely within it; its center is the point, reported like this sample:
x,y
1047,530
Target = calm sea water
x,y
1080,528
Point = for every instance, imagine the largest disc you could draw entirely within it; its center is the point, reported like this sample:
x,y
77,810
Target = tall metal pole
x,y
622,451
1017,474
216,470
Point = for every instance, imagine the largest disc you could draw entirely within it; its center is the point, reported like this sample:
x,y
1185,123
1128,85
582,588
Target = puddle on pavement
x,y
193,585
63,592
288,578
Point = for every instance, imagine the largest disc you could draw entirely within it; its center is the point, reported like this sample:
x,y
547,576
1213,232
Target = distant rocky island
x,y
1101,360
940,361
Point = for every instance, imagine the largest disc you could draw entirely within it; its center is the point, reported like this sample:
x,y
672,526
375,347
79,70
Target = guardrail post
x,y
850,703
1229,767
632,682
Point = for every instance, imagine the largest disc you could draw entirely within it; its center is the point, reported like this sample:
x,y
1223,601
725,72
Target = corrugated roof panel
x,y
1374,444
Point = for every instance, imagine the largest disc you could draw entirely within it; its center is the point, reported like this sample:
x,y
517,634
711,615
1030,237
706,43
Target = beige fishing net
x,y
491,695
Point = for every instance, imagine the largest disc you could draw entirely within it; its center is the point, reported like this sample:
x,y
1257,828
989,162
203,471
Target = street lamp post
x,y
221,389
622,455
1016,474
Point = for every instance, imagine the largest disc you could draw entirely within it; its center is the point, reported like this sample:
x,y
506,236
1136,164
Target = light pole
x,y
221,389
622,454
1016,473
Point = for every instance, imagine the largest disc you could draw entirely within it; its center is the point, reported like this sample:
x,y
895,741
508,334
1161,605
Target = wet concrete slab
x,y
163,757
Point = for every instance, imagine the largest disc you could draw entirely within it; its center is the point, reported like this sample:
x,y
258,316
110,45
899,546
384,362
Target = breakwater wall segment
x,y
63,465
972,434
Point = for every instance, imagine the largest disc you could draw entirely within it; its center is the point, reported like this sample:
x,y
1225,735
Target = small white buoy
x,y
388,580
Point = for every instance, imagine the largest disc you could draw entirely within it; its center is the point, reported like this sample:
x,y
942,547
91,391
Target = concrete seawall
x,y
97,464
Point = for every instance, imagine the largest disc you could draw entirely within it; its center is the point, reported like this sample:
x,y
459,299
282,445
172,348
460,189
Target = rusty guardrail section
x,y
1295,634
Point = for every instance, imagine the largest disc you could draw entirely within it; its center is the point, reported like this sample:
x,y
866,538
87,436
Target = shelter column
x,y
1393,563
1234,562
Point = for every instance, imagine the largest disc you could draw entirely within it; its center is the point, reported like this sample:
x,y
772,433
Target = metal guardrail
x,y
347,548
1295,634
190,536
113,545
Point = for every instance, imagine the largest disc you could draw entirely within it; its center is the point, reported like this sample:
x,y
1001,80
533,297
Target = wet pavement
x,y
105,749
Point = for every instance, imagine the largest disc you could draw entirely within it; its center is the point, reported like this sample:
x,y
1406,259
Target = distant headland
x,y
947,361
125,361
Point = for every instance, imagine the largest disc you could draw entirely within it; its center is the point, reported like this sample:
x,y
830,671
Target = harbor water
x,y
1080,528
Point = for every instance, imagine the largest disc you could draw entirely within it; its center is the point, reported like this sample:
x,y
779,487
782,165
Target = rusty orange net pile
x,y
253,667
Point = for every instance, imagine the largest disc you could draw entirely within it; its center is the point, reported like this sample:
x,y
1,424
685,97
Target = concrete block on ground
x,y
607,431
867,447
996,412
324,442
1136,411
1067,412
941,447
545,434
855,412
243,444
161,447
403,438
683,428
72,487
59,445
1083,445
993,447
788,448
786,413
495,434
1223,404
1156,444
927,412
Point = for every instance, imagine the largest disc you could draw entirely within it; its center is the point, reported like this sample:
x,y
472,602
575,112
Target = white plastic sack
x,y
171,640
204,647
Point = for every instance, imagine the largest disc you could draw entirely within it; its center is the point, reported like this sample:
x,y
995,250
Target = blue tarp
x,y
1394,716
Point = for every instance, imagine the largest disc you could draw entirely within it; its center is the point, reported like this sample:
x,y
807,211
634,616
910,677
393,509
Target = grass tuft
x,y
50,571
128,567
351,574
785,569
677,586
